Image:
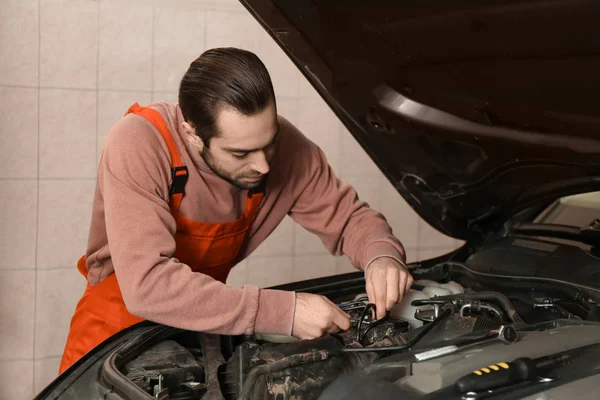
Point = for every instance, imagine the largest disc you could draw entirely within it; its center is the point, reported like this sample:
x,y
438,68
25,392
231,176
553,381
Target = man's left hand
x,y
387,281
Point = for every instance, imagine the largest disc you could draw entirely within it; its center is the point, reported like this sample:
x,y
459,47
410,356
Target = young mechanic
x,y
185,191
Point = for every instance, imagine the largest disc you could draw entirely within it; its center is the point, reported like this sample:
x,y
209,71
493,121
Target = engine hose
x,y
481,306
361,318
287,362
405,346
504,301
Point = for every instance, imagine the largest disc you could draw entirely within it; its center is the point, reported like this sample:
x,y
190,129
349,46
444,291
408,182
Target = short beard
x,y
221,173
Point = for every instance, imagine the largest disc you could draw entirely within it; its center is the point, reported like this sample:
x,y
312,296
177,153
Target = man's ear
x,y
192,137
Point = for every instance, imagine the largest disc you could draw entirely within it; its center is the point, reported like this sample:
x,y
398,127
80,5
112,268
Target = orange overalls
x,y
208,248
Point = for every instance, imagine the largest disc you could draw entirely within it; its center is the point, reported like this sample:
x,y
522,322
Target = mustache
x,y
253,174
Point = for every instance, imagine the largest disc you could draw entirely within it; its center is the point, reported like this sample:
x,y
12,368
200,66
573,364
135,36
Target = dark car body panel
x,y
474,111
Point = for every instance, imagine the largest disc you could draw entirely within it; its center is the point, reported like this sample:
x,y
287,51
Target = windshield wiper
x,y
589,234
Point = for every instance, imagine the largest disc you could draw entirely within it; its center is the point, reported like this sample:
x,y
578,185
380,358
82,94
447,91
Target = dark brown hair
x,y
223,77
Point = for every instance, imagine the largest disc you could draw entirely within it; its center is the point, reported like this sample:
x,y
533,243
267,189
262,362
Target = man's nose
x,y
260,163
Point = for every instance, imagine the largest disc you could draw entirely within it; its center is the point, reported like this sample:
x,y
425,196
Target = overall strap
x,y
179,172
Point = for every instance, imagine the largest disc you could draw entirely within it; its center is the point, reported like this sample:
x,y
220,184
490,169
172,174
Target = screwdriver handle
x,y
501,374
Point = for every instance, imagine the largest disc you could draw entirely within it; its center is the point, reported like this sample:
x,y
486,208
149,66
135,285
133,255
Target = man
x,y
185,191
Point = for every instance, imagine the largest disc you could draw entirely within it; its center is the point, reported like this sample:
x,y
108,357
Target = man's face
x,y
245,145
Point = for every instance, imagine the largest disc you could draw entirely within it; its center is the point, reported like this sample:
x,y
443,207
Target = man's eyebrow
x,y
236,150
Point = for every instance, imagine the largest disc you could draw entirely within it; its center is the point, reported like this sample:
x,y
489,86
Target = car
x,y
485,117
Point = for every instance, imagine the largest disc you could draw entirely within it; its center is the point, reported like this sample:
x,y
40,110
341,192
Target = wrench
x,y
507,334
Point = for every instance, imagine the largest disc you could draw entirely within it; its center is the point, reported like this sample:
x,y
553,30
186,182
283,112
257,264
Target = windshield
x,y
578,210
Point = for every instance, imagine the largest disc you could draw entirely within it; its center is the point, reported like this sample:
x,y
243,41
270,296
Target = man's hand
x,y
387,281
315,315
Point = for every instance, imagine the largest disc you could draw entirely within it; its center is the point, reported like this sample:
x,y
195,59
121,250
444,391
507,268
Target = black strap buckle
x,y
178,180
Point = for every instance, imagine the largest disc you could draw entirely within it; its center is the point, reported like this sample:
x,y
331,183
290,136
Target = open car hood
x,y
474,111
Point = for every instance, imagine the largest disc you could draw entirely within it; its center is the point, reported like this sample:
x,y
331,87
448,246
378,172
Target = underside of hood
x,y
473,110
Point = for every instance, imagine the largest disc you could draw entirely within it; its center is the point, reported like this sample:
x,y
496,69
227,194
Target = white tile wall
x,y
280,242
238,275
178,39
368,189
164,96
344,266
18,220
356,161
112,106
236,29
125,37
65,209
68,45
58,291
19,41
68,71
308,267
19,133
17,312
307,243
18,378
45,371
401,217
67,133
270,271
319,123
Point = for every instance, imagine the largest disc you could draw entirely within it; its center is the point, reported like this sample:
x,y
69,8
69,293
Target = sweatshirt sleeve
x,y
330,208
133,179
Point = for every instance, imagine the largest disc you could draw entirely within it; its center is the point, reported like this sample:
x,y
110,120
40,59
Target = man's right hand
x,y
315,315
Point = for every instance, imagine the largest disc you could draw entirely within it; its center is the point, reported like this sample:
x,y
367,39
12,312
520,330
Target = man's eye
x,y
240,155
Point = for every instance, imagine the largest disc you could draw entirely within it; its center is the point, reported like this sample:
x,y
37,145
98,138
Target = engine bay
x,y
451,313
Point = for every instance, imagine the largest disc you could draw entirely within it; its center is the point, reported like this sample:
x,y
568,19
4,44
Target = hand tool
x,y
504,374
507,334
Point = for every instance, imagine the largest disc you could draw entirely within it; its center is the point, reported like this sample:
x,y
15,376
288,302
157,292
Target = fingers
x,y
393,289
409,282
339,320
380,297
370,293
402,285
377,290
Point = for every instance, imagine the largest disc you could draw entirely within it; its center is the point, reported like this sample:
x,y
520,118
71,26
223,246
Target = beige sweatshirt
x,y
132,230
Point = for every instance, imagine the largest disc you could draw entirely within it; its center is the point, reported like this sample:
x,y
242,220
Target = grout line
x,y
75,89
97,75
232,10
294,228
315,254
32,359
57,268
17,269
259,257
294,254
37,216
205,31
8,86
111,90
152,60
49,178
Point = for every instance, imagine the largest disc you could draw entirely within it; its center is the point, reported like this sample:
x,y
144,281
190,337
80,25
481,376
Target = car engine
x,y
431,317
508,299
